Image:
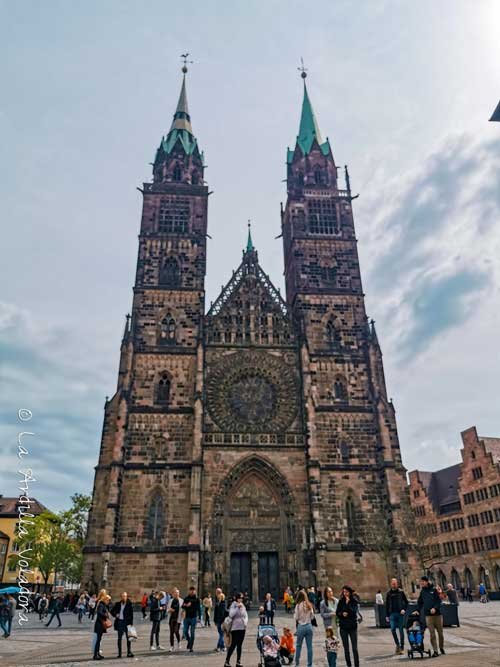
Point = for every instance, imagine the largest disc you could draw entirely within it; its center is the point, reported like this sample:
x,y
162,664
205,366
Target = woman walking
x,y
347,613
102,622
327,609
304,616
239,617
81,606
174,612
220,613
155,618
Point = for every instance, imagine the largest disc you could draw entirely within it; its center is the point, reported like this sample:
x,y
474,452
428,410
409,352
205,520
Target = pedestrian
x,y
287,649
347,613
192,608
331,647
469,594
57,607
11,605
379,598
304,619
429,603
43,604
328,607
396,604
287,595
269,608
174,612
239,621
312,597
220,613
144,605
483,593
207,606
102,623
155,618
82,603
123,613
4,615
92,606
452,594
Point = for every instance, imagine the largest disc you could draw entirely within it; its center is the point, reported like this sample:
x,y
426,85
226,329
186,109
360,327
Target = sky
x,y
402,89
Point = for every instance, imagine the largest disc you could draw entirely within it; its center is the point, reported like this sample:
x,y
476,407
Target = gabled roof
x,y
8,507
441,486
249,267
492,446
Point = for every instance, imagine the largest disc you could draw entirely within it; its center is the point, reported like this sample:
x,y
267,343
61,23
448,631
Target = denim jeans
x,y
331,656
397,622
304,632
189,630
220,641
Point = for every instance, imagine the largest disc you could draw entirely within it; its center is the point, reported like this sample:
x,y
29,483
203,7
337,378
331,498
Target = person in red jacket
x,y
144,604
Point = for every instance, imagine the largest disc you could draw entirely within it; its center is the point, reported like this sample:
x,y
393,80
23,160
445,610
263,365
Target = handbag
x,y
107,623
132,633
314,622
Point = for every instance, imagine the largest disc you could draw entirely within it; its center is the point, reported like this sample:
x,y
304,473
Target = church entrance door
x,y
241,573
268,569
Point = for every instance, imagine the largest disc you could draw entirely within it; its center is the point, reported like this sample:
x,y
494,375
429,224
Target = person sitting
x,y
270,650
287,649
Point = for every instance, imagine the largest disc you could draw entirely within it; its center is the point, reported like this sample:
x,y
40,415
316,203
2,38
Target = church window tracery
x,y
333,335
322,215
170,273
155,519
173,216
167,330
163,389
177,173
340,389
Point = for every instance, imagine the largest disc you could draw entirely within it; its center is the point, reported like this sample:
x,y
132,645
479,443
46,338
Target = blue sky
x,y
402,89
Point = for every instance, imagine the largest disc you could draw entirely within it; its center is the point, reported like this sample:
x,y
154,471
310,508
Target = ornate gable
x,y
249,310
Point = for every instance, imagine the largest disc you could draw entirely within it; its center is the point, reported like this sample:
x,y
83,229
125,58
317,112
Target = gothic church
x,y
251,446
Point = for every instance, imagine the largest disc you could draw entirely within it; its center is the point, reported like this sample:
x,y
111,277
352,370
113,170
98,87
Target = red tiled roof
x,y
8,507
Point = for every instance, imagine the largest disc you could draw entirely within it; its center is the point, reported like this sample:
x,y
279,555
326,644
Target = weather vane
x,y
185,60
302,69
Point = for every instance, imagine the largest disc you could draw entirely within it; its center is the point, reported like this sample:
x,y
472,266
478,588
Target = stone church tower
x,y
251,446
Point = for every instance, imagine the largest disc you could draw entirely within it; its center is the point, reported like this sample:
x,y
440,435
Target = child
x,y
331,647
415,631
262,616
270,650
287,649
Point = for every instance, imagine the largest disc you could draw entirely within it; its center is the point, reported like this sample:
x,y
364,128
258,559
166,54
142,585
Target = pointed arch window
x,y
195,178
163,389
177,173
340,389
155,519
167,330
455,580
350,514
319,175
173,215
300,178
170,273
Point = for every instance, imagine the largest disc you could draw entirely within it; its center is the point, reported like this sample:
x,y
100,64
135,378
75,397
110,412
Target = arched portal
x,y
253,532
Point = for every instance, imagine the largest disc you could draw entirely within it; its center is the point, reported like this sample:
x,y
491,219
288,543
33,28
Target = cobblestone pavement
x,y
475,642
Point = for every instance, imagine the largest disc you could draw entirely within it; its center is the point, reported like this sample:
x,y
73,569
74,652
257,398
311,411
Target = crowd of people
x,y
340,618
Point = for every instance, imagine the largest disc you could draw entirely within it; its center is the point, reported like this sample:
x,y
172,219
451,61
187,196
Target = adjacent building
x,y
9,520
457,511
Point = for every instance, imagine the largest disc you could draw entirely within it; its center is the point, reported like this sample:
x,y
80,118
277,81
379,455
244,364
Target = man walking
x,y
429,603
269,608
192,608
57,607
396,604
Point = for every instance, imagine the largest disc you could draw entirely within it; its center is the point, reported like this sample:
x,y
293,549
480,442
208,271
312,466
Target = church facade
x,y
251,445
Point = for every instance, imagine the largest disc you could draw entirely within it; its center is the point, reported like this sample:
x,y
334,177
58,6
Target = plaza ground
x,y
475,642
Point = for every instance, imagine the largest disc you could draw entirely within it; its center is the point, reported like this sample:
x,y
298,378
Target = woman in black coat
x,y
124,616
347,613
102,615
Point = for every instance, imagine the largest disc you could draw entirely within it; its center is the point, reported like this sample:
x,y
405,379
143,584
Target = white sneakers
x,y
153,648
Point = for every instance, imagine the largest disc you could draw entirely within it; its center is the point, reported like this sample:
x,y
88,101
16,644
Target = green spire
x,y
250,245
181,129
309,129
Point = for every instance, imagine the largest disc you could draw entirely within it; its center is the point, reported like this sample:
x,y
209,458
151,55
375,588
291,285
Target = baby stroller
x,y
416,630
270,631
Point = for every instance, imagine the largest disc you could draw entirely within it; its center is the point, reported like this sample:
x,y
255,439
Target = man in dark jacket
x,y
396,604
220,613
191,606
269,605
55,609
429,603
124,616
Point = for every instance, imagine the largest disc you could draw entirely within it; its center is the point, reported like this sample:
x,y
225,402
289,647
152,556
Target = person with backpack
x,y
396,604
347,614
429,603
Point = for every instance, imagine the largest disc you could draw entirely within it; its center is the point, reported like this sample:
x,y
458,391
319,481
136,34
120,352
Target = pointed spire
x,y
309,128
250,245
182,120
373,333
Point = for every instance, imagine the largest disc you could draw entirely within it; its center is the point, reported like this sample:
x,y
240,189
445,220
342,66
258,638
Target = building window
x,y
333,336
163,390
435,550
469,579
486,517
177,173
462,547
495,490
477,473
455,580
350,514
319,175
481,494
170,273
167,330
449,548
445,526
458,524
344,451
420,510
322,216
416,494
195,178
469,498
173,216
497,513
154,520
340,389
473,520
491,542
477,544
